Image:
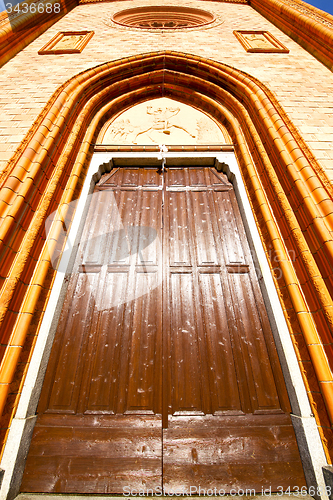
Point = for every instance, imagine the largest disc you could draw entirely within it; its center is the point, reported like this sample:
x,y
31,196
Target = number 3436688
x,y
33,8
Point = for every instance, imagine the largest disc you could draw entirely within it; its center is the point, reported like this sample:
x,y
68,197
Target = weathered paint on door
x,y
163,371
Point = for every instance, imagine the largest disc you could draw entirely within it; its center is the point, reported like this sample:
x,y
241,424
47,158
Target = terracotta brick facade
x,y
301,88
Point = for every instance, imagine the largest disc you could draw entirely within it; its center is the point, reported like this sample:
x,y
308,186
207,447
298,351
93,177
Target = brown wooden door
x,y
163,372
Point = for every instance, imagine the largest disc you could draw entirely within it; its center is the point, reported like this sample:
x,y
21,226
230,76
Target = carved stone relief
x,y
162,121
258,41
67,42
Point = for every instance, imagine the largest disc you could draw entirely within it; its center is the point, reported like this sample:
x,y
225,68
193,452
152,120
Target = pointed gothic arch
x,y
290,195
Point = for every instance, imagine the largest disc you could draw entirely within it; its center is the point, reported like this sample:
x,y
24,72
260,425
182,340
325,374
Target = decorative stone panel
x,y
260,41
162,121
67,42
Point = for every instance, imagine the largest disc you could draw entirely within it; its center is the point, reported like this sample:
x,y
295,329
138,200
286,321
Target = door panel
x,y
203,237
230,452
223,387
94,454
163,370
186,385
99,426
252,347
227,425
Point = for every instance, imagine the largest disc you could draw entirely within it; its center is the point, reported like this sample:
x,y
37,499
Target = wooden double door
x,y
163,372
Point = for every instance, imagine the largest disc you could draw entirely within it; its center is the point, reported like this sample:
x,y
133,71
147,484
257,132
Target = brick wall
x,y
303,86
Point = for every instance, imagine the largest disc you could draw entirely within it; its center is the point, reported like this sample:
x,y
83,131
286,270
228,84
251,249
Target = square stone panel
x,y
260,41
67,42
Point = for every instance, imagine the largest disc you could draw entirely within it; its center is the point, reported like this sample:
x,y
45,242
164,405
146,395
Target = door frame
x,y
307,434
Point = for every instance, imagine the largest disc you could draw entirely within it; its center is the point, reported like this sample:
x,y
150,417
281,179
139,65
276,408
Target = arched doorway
x,y
249,112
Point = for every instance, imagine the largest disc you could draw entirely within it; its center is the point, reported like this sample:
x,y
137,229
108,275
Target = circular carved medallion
x,y
161,17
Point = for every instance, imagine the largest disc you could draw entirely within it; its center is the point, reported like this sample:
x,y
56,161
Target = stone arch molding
x,y
290,195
